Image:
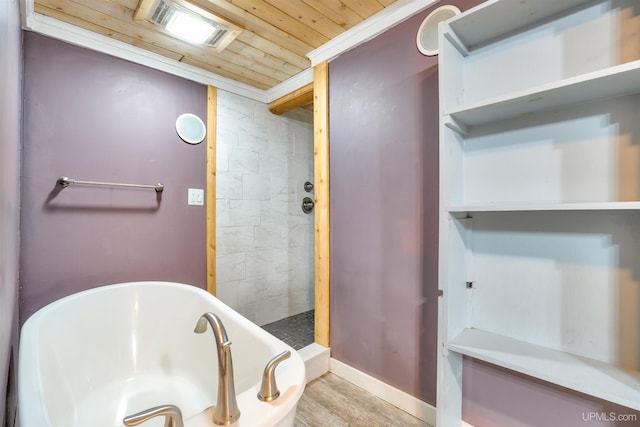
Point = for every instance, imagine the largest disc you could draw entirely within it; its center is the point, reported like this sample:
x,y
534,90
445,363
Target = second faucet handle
x,y
269,389
171,412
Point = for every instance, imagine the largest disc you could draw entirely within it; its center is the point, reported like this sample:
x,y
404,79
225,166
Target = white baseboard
x,y
399,398
316,360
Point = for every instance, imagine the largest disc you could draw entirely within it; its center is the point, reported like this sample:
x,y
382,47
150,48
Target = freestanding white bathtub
x,y
93,358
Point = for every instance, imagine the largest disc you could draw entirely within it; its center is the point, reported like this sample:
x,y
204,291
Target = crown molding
x,y
368,29
26,13
292,83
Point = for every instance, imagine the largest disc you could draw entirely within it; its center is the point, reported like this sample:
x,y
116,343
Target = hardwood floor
x,y
331,401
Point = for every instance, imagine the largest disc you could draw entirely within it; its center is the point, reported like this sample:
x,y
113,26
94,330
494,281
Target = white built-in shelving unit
x,y
540,196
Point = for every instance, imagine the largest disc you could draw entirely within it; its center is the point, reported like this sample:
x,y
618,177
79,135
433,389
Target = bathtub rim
x,y
29,336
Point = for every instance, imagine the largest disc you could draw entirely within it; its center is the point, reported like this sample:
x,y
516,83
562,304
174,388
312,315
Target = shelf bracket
x,y
456,125
456,42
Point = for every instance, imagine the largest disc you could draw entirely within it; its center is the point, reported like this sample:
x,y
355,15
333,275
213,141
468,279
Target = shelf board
x,y
494,19
533,207
593,377
615,81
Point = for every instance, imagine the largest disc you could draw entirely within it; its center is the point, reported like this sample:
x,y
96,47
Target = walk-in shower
x,y
264,239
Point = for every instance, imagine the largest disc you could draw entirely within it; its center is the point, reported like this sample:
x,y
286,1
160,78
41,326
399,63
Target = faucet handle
x,y
269,389
171,412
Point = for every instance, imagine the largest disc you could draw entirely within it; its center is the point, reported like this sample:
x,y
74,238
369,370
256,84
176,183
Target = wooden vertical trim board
x,y
321,191
212,111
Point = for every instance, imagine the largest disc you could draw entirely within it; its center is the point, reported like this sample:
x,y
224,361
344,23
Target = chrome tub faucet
x,y
226,410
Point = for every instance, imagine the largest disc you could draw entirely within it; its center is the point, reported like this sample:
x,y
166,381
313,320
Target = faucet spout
x,y
226,411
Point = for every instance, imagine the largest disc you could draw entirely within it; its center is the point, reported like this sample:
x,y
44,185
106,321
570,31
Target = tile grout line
x,y
297,330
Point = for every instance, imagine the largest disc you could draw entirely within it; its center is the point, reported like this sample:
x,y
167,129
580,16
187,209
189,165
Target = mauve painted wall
x,y
10,128
496,397
384,240
89,116
383,110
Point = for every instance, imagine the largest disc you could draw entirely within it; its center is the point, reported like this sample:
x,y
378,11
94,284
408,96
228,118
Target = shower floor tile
x,y
297,330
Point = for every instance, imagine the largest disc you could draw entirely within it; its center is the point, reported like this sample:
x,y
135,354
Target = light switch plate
x,y
195,196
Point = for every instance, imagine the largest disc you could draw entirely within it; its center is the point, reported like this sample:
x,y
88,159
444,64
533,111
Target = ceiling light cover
x,y
190,28
189,23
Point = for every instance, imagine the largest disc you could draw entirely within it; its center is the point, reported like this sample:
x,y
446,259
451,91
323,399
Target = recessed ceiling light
x,y
191,27
187,22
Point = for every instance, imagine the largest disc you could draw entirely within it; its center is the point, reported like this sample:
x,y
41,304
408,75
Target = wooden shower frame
x,y
321,191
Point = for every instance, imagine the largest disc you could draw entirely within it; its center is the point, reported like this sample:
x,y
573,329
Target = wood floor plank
x,y
312,413
381,410
331,401
339,404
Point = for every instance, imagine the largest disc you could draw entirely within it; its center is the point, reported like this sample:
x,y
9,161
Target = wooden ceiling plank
x,y
256,25
273,49
337,11
224,68
129,4
274,16
262,57
304,13
53,13
253,65
107,7
364,8
237,77
227,68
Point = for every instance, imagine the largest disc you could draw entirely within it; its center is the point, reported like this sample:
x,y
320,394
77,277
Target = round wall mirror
x,y
427,39
190,128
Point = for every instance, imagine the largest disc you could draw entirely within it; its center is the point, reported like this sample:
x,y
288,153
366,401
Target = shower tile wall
x,y
264,242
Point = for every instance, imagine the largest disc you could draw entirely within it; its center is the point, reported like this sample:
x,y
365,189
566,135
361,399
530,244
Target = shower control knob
x,y
308,187
307,205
